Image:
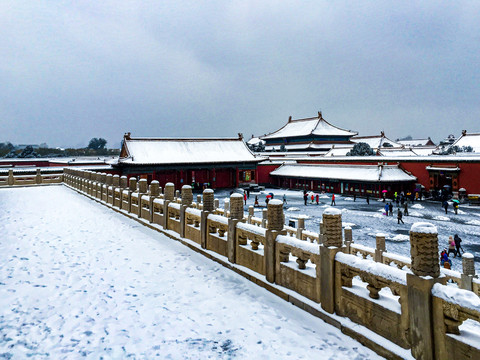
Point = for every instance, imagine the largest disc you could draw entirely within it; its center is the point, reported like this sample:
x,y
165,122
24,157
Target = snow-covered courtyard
x,y
367,220
78,280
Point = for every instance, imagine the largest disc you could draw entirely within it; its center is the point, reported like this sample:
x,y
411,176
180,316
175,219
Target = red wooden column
x,y
214,179
237,177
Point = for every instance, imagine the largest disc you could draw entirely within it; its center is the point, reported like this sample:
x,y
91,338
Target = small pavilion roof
x,y
309,126
467,139
376,141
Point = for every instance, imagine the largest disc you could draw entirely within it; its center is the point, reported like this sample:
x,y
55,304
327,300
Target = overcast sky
x,y
73,70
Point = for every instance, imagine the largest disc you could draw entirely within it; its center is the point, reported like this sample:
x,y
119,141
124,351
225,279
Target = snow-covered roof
x,y
398,152
416,142
466,139
151,151
364,173
376,141
254,141
339,151
308,146
309,126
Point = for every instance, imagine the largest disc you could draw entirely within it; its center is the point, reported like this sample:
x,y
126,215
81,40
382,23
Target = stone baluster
x,y
275,223
226,207
425,269
38,177
300,227
169,196
264,217
251,213
347,238
154,191
380,247
216,203
199,201
142,186
208,207
177,194
468,264
332,243
236,215
187,200
11,179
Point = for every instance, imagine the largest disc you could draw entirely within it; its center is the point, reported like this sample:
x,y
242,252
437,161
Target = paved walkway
x,y
79,280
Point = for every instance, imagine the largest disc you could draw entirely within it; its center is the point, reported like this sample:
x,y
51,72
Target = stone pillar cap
x,y
379,234
186,187
273,201
236,195
154,182
467,256
424,227
207,191
169,184
331,211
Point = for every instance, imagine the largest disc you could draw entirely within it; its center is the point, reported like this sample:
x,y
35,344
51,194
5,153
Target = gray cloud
x,y
71,71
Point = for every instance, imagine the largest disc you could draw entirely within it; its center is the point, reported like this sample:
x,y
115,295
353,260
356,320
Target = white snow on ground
x,y
80,280
417,206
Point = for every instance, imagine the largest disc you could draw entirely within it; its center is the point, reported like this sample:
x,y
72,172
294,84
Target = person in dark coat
x,y
390,209
457,240
445,205
399,216
368,198
317,198
305,197
405,208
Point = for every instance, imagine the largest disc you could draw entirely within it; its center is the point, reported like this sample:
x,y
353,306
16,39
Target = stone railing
x,y
30,177
404,300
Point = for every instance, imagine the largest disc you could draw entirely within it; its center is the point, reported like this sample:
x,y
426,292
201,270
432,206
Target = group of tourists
x,y
454,246
389,211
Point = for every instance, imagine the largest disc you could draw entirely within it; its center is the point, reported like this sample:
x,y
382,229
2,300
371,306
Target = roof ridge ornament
x,y
290,118
320,115
127,136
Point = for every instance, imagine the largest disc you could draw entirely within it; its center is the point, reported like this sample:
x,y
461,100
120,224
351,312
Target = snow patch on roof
x,y
309,126
370,173
186,151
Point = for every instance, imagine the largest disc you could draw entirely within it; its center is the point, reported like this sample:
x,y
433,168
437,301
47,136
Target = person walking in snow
x,y
451,246
386,209
333,200
317,198
405,208
390,209
256,201
305,197
445,205
245,197
458,246
312,197
455,207
368,198
284,199
399,216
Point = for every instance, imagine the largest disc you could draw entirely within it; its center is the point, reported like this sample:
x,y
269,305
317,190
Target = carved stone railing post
x,y
154,193
468,264
38,177
275,225
103,177
199,201
236,215
251,213
347,238
187,199
320,232
208,207
332,243
226,207
300,227
264,217
216,204
169,196
426,271
380,247
177,194
132,187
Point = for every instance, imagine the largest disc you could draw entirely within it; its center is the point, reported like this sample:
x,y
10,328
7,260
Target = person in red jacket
x,y
333,200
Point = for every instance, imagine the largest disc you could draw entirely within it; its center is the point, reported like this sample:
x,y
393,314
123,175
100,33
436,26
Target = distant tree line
x,y
96,147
